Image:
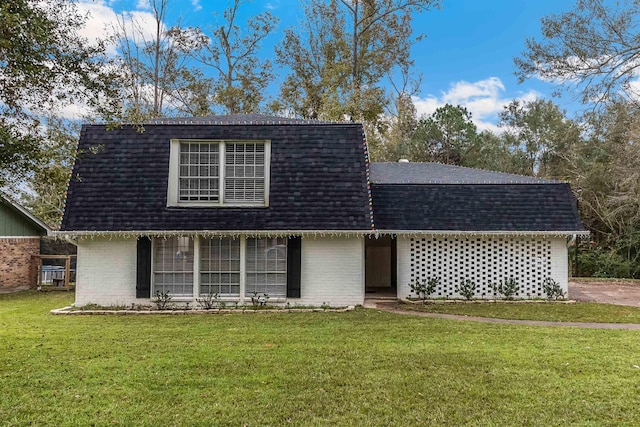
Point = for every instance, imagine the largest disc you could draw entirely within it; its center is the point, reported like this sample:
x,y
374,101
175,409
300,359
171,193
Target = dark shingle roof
x,y
475,207
317,182
436,173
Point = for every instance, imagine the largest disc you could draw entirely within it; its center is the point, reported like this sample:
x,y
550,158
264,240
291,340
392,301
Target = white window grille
x,y
482,260
266,266
199,172
244,170
218,173
173,266
220,266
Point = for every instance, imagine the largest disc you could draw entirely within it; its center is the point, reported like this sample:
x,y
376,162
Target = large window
x,y
173,266
266,265
189,267
220,266
218,173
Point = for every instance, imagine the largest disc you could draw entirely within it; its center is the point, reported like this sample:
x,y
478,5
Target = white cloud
x,y
143,5
196,5
272,5
102,19
484,99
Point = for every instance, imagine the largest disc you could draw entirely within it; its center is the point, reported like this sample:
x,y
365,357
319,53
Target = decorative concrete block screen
x,y
482,260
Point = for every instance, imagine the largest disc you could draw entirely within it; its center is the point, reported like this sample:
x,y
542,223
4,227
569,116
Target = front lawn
x,y
554,312
358,368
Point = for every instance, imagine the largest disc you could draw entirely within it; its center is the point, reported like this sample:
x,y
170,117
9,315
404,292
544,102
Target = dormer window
x,y
218,173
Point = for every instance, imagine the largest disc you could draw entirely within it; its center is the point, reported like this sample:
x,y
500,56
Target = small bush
x,y
209,301
425,288
552,289
508,288
259,300
467,288
162,300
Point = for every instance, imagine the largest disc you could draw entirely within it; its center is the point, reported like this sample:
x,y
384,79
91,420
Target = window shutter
x,y
293,267
143,273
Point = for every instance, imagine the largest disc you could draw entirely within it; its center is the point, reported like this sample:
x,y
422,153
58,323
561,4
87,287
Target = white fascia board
x,y
311,233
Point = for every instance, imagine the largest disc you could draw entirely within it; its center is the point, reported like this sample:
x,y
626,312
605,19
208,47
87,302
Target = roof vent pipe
x,y
403,161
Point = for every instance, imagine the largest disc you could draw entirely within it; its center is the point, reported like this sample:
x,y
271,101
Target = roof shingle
x,y
318,180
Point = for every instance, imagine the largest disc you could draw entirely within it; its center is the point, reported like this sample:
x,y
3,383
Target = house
x,y
234,205
20,234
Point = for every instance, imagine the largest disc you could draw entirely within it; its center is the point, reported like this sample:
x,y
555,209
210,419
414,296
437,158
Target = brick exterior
x,y
332,272
18,269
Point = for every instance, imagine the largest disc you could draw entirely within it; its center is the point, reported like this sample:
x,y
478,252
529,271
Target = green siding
x,y
14,223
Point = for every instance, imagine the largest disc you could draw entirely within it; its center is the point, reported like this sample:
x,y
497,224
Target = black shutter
x,y
293,267
143,276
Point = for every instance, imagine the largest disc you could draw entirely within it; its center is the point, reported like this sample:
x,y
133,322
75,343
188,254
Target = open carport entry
x,y
380,265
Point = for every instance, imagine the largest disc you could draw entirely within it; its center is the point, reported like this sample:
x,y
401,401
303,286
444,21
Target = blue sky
x,y
466,58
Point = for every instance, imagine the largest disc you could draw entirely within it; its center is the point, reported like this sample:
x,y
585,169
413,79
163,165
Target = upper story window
x,y
218,173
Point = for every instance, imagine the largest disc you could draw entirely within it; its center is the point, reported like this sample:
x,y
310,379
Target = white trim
x,y
243,268
173,186
196,266
309,233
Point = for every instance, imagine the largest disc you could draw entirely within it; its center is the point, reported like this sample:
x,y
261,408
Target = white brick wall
x,y
332,271
106,272
528,260
560,263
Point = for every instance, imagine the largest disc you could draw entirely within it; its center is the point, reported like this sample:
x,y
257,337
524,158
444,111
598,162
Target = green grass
x,y
578,312
358,368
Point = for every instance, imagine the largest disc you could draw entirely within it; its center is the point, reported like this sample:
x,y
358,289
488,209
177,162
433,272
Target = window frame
x,y
197,242
173,186
195,265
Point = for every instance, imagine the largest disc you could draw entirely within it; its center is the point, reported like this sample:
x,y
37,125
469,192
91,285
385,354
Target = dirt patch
x,y
608,292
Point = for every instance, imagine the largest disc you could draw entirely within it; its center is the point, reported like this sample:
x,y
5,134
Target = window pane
x,y
266,266
173,265
199,173
220,266
244,182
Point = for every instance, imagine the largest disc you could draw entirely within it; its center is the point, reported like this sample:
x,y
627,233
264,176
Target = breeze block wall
x,y
18,268
484,260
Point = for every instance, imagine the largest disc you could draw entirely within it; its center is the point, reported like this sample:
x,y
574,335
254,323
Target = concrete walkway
x,y
606,292
391,306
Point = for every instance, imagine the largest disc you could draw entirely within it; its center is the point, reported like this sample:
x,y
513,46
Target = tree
x,y
543,135
342,52
496,153
593,48
445,136
231,50
151,75
44,65
48,184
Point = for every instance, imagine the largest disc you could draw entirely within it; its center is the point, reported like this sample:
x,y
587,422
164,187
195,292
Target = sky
x,y
465,59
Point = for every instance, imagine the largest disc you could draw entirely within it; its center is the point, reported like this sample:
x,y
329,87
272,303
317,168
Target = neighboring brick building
x,y
20,234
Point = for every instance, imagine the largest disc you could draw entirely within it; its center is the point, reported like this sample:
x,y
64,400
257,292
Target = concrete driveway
x,y
621,293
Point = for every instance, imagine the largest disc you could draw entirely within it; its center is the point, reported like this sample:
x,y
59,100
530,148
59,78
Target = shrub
x,y
425,288
162,300
259,300
467,288
552,289
209,301
508,288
